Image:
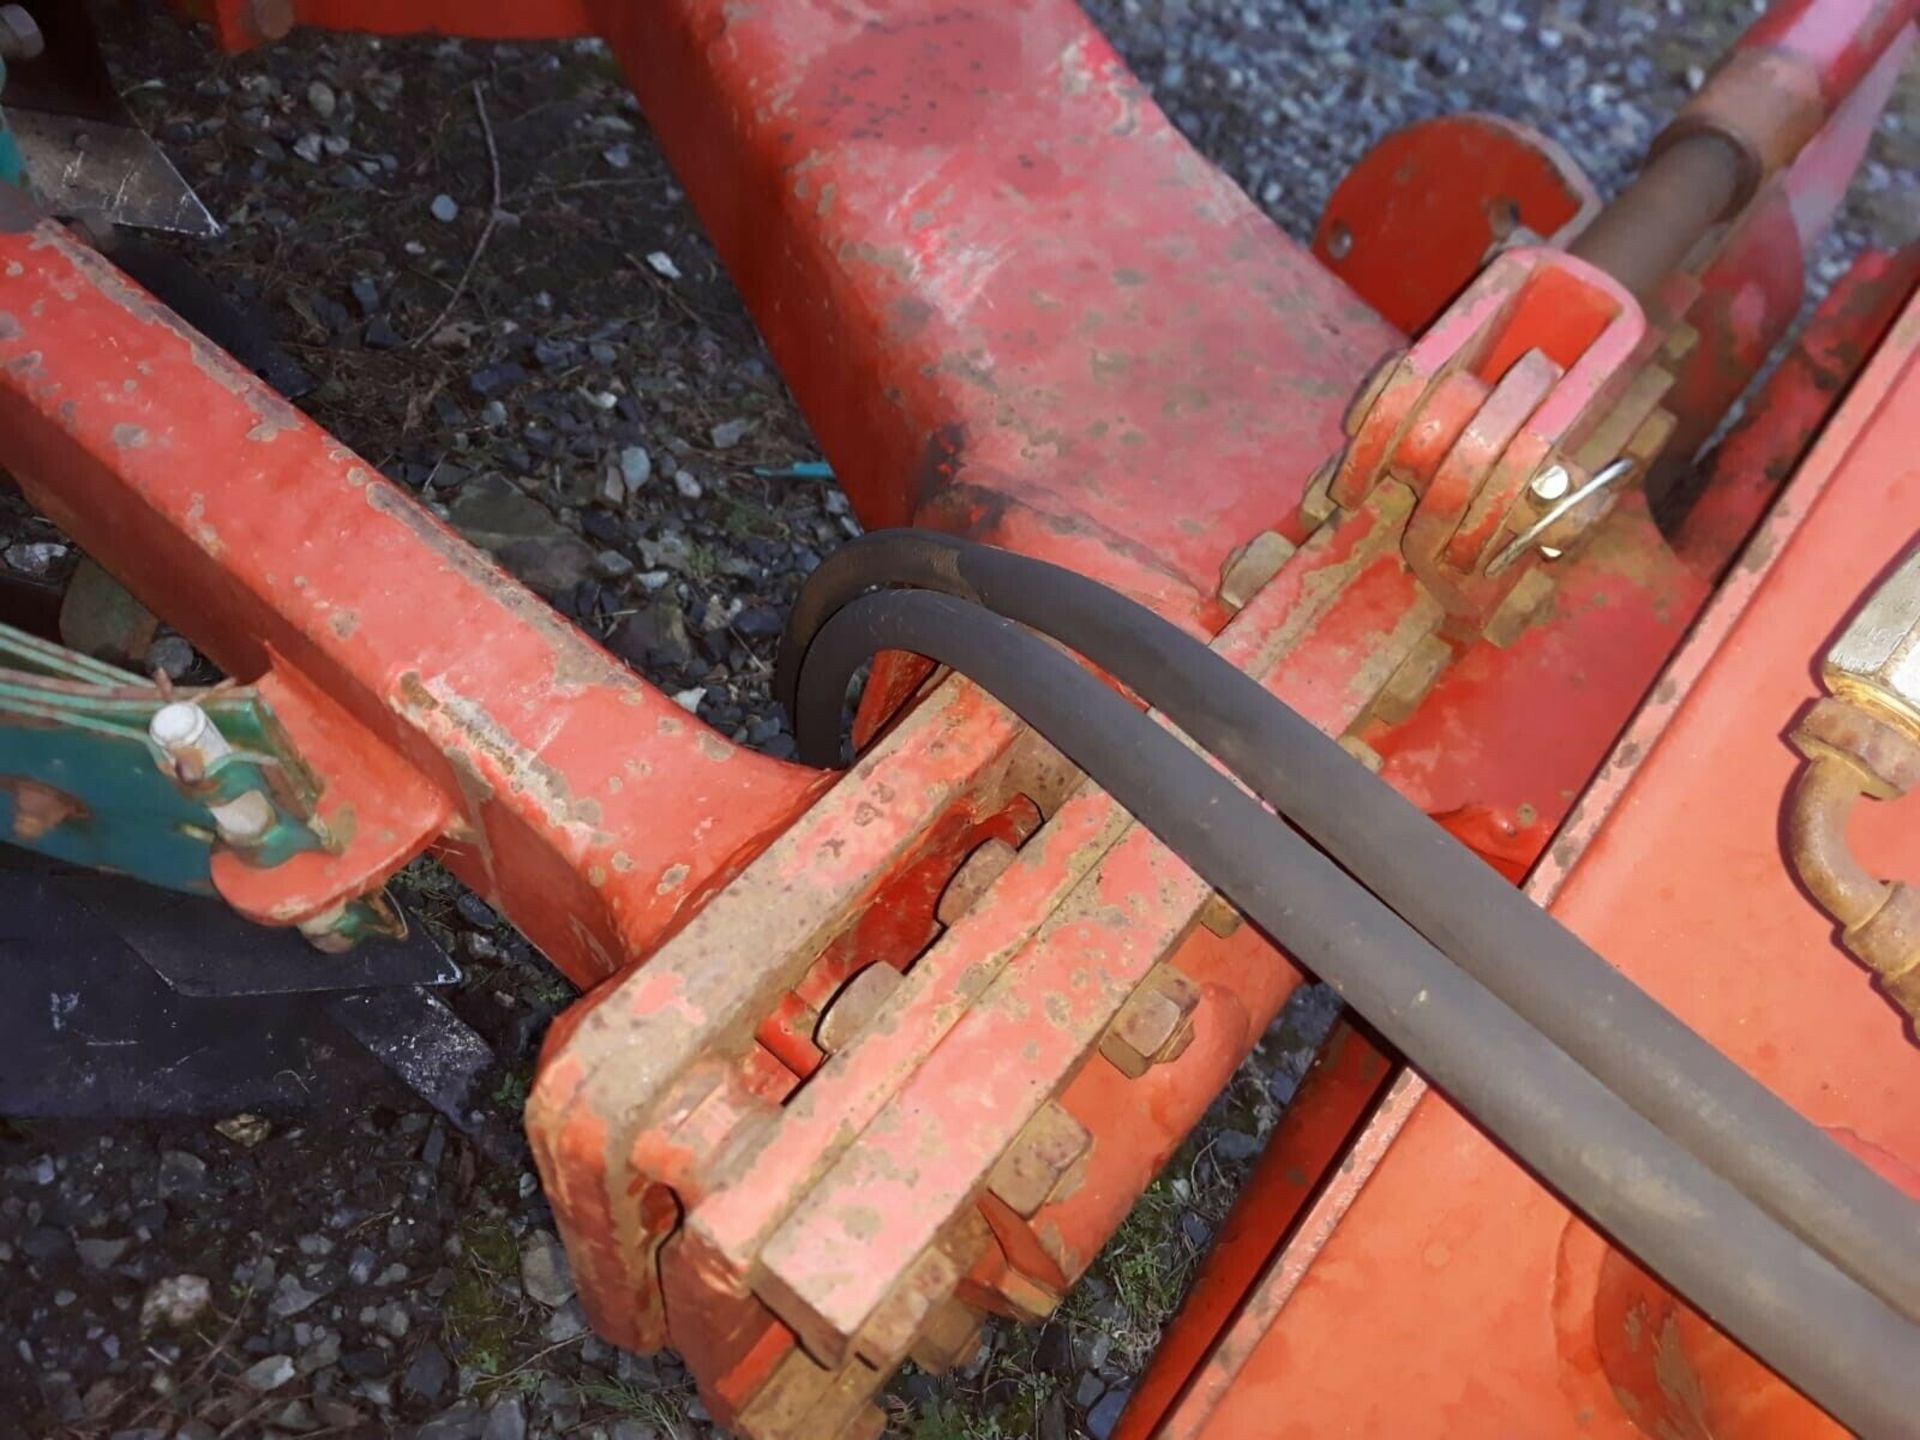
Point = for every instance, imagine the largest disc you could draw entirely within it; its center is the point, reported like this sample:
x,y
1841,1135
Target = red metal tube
x,y
956,227
1841,40
1784,418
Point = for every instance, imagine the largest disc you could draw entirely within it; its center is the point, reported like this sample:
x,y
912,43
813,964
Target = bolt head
x,y
1877,659
1551,484
20,37
271,19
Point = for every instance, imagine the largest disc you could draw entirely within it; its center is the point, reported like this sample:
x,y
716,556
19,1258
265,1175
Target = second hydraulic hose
x,y
1776,1294
1523,955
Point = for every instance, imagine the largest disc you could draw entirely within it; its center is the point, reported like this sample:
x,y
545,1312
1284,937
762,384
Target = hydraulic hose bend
x,y
1629,1041
1855,753
1815,1325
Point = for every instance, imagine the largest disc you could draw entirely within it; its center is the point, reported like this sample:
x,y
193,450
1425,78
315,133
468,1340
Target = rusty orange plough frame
x,y
826,1106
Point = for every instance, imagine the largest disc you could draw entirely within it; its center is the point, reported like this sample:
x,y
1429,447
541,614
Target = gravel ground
x,y
380,1272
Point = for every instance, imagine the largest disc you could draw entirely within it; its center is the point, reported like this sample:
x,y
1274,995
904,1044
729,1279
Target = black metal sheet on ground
x,y
88,1028
84,149
422,1041
201,948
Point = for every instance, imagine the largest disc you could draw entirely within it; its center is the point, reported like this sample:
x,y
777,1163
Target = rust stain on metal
x,y
204,533
39,808
523,771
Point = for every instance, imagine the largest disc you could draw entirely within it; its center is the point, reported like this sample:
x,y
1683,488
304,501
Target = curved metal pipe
x,y
1645,232
1822,803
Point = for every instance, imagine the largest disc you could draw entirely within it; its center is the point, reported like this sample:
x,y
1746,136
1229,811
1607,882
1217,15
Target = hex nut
x,y
1355,415
271,19
854,1006
1877,660
20,37
1411,680
1038,1162
1517,611
1250,567
1220,917
1884,751
895,1323
975,876
1154,1025
1316,502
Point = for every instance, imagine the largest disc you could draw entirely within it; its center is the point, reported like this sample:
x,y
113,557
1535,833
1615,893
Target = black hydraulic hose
x,y
1814,1325
1632,1043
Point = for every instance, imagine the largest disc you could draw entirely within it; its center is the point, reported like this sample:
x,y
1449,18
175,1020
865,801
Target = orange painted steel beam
x,y
577,798
1014,304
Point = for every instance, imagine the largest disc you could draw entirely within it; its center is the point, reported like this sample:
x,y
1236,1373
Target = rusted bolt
x,y
1886,752
192,743
1219,916
1029,1300
856,1003
323,931
1340,240
1039,1160
20,37
949,1339
1317,503
270,19
1411,680
1362,402
1877,659
1250,567
1154,1026
976,873
1897,926
1363,752
895,1323
1517,611
38,808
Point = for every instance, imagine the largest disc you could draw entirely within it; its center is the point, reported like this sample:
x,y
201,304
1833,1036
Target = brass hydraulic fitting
x,y
1864,742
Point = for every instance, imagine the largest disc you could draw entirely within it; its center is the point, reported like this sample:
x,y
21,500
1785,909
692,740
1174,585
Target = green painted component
x,y
371,917
76,726
13,165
